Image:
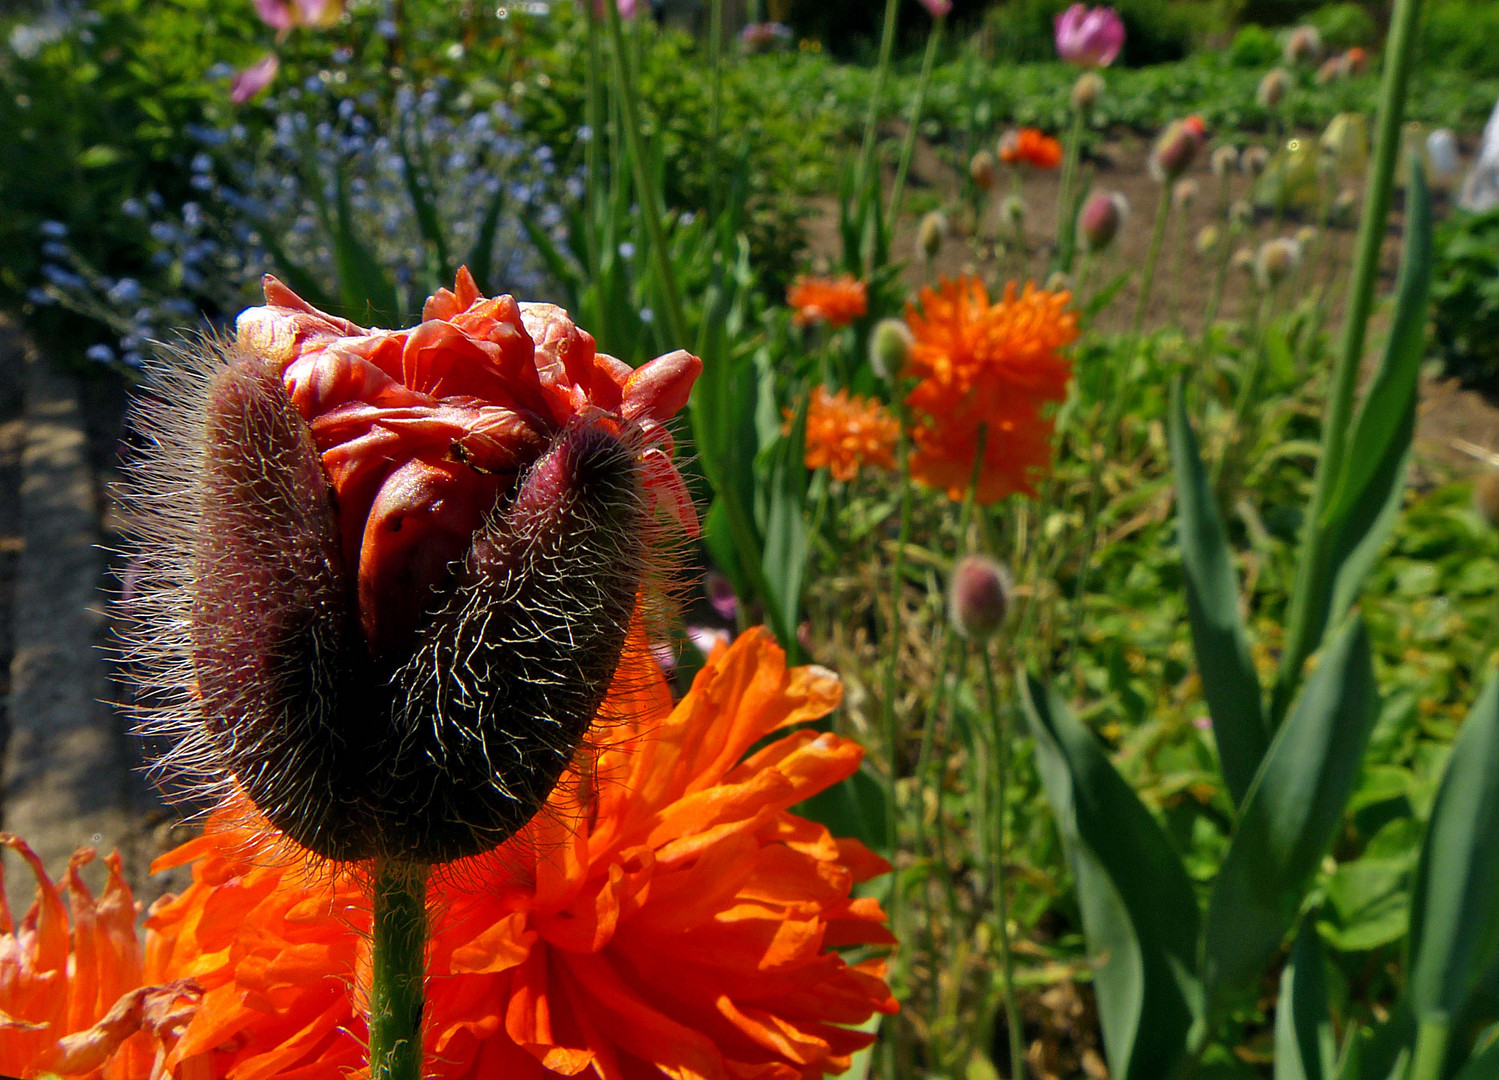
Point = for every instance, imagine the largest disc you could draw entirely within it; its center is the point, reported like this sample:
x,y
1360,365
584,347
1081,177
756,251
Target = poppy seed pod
x,y
1272,89
978,597
389,575
983,169
889,346
931,234
1100,219
1087,91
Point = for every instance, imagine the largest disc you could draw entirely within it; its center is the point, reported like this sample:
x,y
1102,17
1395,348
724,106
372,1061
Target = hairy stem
x,y
398,969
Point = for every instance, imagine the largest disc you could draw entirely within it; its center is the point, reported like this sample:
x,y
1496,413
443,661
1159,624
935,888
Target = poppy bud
x,y
1184,193
1224,160
1057,281
1486,497
1306,236
1100,219
1243,259
1207,239
931,234
1087,91
1254,160
1344,209
1272,89
1303,46
978,597
1174,150
1240,213
983,169
1330,71
391,574
889,346
1013,211
1275,260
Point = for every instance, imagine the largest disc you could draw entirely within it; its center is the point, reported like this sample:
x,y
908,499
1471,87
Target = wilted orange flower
x,y
1031,147
669,916
989,366
844,433
836,301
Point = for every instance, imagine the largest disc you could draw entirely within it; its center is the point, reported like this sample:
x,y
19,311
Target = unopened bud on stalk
x,y
1057,281
1254,160
1344,209
389,575
1303,46
1241,213
1225,159
1306,236
1486,497
984,170
1243,259
1013,211
1207,239
1184,193
1330,71
931,234
1175,150
1275,260
1100,219
1273,87
889,346
1087,91
978,597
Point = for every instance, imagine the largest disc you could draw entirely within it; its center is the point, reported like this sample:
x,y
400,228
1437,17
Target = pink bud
x,y
1176,148
978,596
1100,219
1089,37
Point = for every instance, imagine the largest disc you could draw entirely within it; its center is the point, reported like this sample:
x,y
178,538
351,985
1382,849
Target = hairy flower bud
x,y
390,575
889,346
1207,239
1100,219
983,169
1225,159
1176,148
1184,193
1303,46
931,234
1243,260
1254,160
1344,209
978,597
1012,210
1241,214
1087,91
1275,260
1272,89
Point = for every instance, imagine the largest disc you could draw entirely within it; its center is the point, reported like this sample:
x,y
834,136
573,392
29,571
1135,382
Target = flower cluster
x,y
987,372
835,301
669,914
846,433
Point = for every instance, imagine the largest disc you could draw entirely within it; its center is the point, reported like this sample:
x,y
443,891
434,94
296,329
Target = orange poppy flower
x,y
990,366
668,916
1031,147
836,301
844,433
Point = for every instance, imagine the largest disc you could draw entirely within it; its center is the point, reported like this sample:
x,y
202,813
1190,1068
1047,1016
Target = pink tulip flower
x,y
1089,37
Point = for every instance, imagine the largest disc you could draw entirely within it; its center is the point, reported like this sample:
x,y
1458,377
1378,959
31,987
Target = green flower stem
x,y
1001,733
398,969
1431,1048
1301,640
1248,390
913,124
1066,219
865,174
1152,254
650,207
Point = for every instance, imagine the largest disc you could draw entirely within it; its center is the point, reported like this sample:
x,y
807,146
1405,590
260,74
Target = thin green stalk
x,y
1431,1048
913,124
1301,636
1147,276
649,197
1248,388
1066,219
1001,733
397,969
864,176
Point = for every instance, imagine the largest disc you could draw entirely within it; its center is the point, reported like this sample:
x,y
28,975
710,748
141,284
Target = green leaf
x,y
1229,682
1483,1065
1305,1048
480,260
854,808
1455,903
368,295
1290,814
786,540
1140,916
